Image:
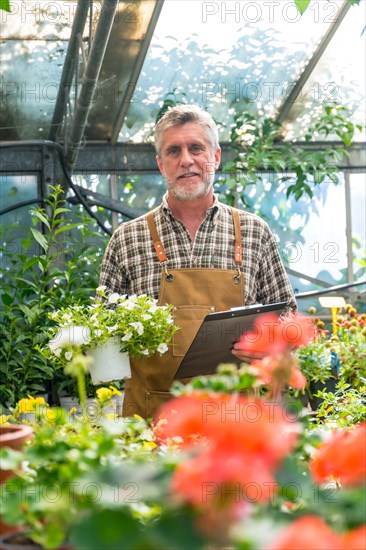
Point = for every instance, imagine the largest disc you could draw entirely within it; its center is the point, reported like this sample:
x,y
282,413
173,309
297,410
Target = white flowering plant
x,y
137,323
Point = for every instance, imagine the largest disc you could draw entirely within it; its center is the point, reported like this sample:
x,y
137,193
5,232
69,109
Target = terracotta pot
x,y
13,436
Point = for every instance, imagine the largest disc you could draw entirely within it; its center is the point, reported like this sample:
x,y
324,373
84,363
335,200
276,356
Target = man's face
x,y
187,161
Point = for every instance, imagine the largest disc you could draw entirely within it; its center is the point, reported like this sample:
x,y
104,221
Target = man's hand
x,y
246,356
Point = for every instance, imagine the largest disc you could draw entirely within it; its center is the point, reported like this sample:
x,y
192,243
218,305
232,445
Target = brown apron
x,y
194,292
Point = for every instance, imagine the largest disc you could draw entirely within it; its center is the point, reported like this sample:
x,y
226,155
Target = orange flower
x,y
271,335
342,458
307,533
241,425
312,533
354,540
242,441
279,370
223,478
181,418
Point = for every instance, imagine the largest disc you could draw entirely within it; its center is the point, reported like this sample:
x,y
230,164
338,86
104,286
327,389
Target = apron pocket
x,y
153,400
189,320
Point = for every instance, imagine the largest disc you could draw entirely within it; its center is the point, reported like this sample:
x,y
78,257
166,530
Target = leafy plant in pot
x,y
106,328
39,274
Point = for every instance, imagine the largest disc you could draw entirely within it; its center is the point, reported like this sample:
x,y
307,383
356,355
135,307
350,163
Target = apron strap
x,y
238,247
155,238
158,245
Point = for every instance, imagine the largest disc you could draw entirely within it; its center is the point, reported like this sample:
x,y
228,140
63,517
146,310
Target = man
x,y
192,251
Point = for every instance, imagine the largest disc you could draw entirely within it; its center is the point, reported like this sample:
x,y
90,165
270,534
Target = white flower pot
x,y
109,363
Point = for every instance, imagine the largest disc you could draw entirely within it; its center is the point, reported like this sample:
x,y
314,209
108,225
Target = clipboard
x,y
216,336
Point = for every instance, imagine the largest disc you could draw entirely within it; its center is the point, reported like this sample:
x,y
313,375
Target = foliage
x,y
5,5
36,283
190,479
344,407
54,489
259,145
341,355
316,361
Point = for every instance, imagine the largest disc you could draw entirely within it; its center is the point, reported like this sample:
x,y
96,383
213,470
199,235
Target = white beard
x,y
190,191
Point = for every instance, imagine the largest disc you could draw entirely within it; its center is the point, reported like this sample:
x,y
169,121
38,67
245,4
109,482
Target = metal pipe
x,y
90,79
347,188
124,103
68,68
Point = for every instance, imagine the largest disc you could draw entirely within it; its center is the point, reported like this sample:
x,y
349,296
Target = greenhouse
x,y
183,275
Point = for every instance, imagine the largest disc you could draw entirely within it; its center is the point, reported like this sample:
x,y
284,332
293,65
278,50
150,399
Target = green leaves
x,y
5,5
38,276
260,147
41,239
302,5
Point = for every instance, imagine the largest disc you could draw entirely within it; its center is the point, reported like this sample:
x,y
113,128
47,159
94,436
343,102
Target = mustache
x,y
187,174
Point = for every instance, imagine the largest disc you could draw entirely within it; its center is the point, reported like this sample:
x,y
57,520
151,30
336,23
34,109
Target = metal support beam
x,y
347,188
90,80
98,158
296,90
125,103
68,68
133,157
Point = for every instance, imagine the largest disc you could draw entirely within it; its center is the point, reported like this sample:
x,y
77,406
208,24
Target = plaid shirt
x,y
130,264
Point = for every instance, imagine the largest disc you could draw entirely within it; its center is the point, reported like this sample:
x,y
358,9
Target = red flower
x,y
271,335
342,458
307,533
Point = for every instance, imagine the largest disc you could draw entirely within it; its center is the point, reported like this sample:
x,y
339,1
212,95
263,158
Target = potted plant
x,y
106,328
320,365
333,358
36,278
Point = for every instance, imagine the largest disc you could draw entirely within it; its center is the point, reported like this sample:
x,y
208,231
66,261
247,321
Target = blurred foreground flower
x,y
272,336
312,533
342,458
237,443
278,371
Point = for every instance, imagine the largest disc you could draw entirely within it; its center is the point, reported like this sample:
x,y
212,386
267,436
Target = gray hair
x,y
181,114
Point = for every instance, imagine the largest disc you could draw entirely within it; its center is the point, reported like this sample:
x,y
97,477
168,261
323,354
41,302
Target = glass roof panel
x,y
40,20
33,46
34,42
339,76
31,72
225,54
